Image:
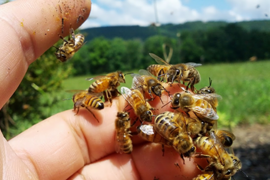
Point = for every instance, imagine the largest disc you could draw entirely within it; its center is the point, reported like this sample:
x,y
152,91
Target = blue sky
x,y
141,12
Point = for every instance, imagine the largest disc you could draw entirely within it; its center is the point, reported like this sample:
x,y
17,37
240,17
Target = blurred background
x,y
231,38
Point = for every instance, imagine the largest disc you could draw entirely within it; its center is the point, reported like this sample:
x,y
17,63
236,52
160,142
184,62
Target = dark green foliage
x,y
226,43
169,30
26,107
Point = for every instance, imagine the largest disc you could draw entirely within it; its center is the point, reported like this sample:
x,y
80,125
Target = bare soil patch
x,y
252,146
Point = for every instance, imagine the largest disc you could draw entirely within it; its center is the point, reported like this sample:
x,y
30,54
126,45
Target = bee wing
x,y
145,72
147,129
193,64
95,78
75,90
137,81
158,59
208,113
127,94
207,96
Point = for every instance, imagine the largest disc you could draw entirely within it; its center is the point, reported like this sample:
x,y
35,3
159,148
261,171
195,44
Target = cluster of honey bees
x,y
191,125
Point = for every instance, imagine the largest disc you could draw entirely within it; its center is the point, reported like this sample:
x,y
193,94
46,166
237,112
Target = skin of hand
x,y
69,146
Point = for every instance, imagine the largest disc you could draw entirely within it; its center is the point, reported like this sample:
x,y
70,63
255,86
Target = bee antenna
x,y
128,73
166,104
244,174
55,47
210,82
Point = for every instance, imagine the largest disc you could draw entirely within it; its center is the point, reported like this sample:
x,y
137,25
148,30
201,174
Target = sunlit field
x,y
243,87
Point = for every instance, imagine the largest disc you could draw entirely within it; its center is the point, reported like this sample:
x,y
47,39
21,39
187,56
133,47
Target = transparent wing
x,y
207,97
208,113
76,90
158,59
145,72
130,94
147,129
137,81
193,64
96,78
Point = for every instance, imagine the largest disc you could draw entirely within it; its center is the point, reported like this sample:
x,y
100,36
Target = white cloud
x,y
131,12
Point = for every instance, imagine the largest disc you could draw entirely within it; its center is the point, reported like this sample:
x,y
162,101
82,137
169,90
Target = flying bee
x,y
196,103
147,83
184,72
107,84
166,125
209,93
70,46
87,100
123,140
141,108
221,163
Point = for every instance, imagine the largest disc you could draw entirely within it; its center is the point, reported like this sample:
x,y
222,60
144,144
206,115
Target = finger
x,y
65,142
145,162
28,28
68,140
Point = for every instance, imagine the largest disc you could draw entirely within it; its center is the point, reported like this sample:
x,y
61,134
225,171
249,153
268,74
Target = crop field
x,y
243,87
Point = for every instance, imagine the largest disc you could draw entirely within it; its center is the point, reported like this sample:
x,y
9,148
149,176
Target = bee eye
x,y
177,72
209,91
176,101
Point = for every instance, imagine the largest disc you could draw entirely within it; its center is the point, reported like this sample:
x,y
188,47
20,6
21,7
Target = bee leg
x,y
134,122
62,29
182,156
74,108
63,39
92,113
163,149
110,97
71,31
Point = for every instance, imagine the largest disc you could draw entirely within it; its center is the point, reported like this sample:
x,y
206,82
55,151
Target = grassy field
x,y
243,87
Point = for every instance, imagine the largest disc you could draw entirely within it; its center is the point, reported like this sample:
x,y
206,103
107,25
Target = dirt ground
x,y
252,146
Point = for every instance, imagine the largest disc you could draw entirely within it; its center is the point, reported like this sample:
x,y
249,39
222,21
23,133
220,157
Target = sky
x,y
142,12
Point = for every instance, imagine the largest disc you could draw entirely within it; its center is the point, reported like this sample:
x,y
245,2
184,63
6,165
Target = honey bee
x,y
204,176
207,89
208,93
148,133
147,83
192,125
221,163
196,103
123,140
87,100
107,84
184,72
226,138
70,46
166,125
136,100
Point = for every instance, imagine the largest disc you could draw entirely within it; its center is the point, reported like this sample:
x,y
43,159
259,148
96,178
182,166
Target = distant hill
x,y
140,32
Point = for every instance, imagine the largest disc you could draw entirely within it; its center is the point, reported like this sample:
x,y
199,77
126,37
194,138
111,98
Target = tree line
x,y
230,43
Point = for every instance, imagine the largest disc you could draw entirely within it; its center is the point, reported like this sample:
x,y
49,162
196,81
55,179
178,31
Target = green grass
x,y
244,90
243,87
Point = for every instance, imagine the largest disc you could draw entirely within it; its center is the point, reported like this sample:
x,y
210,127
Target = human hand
x,y
68,146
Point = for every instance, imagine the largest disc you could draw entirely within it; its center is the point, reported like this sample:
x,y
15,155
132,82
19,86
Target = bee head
x,y
146,116
121,77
